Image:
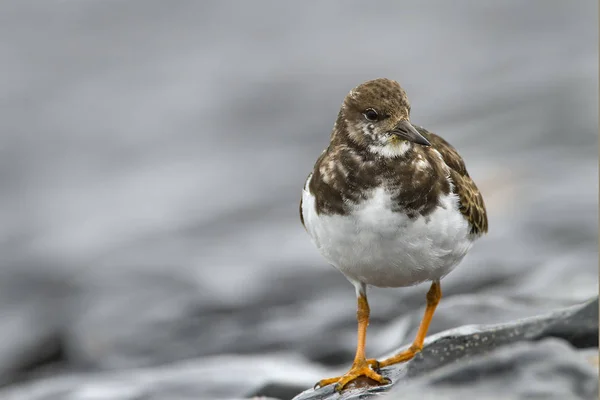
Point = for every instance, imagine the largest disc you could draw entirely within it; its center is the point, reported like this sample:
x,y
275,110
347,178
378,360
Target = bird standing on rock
x,y
389,204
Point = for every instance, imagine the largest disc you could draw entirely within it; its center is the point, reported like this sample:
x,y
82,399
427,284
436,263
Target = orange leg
x,y
360,367
433,298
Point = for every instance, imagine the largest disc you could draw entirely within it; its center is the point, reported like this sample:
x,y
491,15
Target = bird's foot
x,y
358,370
398,358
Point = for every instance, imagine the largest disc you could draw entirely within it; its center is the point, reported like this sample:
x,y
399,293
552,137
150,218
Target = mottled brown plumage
x,y
471,200
348,168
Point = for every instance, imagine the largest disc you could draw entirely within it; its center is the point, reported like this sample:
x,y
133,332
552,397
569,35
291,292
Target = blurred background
x,y
152,156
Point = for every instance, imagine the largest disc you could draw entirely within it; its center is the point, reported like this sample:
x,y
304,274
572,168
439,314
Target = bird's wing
x,y
471,201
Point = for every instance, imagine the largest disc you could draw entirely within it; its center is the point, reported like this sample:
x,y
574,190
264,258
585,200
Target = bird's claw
x,y
374,364
357,371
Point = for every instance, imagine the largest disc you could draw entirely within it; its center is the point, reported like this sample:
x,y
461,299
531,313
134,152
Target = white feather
x,y
378,247
391,150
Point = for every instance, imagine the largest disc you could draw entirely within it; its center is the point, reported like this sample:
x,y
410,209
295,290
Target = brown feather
x,y
471,200
348,170
301,216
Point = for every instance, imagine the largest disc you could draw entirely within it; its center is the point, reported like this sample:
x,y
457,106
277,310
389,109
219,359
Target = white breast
x,y
382,248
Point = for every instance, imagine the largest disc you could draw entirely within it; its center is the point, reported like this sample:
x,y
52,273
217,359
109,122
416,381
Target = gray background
x,y
152,155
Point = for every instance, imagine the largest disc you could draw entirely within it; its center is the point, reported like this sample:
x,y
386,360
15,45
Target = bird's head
x,y
376,115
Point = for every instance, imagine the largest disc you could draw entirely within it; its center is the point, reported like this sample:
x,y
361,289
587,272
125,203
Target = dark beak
x,y
406,131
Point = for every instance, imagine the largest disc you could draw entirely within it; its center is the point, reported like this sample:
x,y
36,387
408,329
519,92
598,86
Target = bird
x,y
389,204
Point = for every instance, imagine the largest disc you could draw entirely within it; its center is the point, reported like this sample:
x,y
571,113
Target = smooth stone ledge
x,y
578,325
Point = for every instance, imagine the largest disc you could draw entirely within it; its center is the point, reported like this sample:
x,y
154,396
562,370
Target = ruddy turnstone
x,y
389,204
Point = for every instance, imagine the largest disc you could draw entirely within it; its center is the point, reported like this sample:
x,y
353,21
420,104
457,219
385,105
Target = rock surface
x,y
517,358
552,356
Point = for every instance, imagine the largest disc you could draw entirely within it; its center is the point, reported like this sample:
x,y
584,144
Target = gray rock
x,y
474,354
516,360
210,378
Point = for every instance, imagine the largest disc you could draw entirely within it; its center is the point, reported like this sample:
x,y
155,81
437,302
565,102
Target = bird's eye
x,y
371,114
